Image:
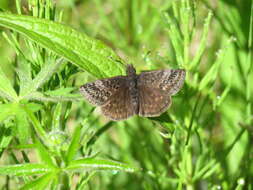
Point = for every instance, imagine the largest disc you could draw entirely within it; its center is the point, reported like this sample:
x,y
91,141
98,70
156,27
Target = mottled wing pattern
x,y
120,106
169,80
152,101
99,92
155,89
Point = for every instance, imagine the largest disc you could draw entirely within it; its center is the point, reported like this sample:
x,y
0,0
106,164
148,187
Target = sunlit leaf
x,y
74,145
88,164
25,169
6,89
40,183
87,53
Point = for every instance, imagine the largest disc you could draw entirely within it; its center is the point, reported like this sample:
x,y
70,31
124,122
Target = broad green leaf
x,y
74,145
91,164
87,53
6,89
25,169
41,182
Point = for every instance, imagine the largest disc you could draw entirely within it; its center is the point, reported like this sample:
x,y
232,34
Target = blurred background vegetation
x,y
204,141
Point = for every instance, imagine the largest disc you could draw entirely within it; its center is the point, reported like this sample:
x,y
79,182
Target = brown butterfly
x,y
147,94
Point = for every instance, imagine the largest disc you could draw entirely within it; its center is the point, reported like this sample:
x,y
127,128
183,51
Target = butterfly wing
x,y
120,105
113,95
99,92
155,89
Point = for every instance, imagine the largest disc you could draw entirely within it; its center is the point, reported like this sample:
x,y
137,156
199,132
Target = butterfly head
x,y
130,70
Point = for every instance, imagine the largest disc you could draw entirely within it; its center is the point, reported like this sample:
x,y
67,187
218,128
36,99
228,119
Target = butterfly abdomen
x,y
134,93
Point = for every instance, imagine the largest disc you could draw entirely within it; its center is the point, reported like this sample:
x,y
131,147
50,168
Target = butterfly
x,y
147,94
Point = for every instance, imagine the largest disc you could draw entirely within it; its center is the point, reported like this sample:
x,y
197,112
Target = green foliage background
x,y
50,138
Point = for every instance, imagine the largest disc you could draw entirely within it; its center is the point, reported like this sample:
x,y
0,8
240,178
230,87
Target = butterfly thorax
x,y
132,77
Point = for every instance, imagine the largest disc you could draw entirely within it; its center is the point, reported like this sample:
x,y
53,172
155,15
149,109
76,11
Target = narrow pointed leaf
x,y
25,169
91,164
40,183
44,75
44,154
5,138
6,89
57,117
74,145
6,110
45,97
23,127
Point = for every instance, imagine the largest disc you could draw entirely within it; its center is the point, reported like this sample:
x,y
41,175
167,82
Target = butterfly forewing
x,y
119,105
99,92
169,80
155,89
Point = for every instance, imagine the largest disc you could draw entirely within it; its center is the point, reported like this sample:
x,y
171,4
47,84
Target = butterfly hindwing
x,y
119,105
152,102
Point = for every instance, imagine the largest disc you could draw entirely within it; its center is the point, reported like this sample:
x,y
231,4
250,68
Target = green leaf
x,y
57,117
6,89
44,154
44,75
33,106
44,97
5,137
36,124
24,73
203,42
41,182
6,110
174,31
211,75
25,169
60,92
74,145
23,127
91,164
87,53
